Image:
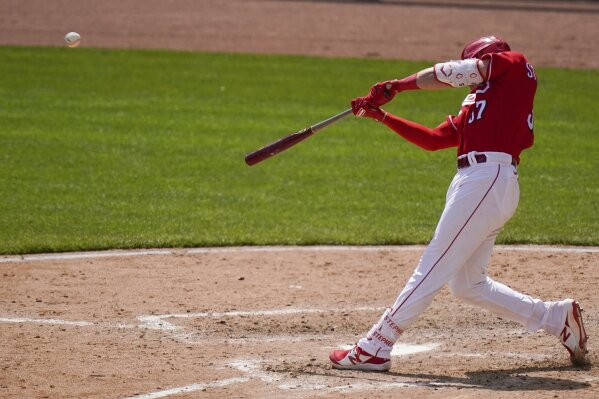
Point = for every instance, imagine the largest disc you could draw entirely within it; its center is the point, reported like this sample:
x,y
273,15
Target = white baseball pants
x,y
480,200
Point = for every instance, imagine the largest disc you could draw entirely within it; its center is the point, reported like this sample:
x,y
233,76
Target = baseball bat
x,y
291,139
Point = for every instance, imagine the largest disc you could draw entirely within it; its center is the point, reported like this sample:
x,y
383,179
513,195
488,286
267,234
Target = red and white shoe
x,y
574,336
357,359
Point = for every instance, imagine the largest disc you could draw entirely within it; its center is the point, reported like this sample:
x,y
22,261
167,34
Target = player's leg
x,y
472,285
562,319
476,206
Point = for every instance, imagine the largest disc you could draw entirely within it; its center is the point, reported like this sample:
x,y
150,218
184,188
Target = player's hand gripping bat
x,y
291,140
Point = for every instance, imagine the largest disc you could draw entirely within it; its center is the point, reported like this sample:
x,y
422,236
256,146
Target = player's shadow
x,y
517,379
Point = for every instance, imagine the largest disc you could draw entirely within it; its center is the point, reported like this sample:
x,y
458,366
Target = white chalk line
x,y
315,248
190,388
73,323
57,322
270,312
180,334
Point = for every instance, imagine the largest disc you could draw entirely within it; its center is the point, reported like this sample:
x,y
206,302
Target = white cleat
x,y
574,336
357,359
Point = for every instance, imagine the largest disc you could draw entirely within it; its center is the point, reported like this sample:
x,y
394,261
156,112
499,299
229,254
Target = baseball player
x,y
494,125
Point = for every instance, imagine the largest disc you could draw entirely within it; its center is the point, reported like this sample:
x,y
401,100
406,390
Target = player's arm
x,y
440,76
454,74
443,136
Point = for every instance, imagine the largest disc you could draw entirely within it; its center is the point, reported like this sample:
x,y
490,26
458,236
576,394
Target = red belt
x,y
480,158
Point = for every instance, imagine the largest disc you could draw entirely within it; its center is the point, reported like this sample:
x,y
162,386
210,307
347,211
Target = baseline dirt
x,y
325,28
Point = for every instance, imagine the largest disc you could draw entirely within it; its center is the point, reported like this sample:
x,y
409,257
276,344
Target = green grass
x,y
122,149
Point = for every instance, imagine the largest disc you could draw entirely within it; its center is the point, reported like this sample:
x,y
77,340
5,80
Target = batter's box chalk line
x,y
162,323
190,388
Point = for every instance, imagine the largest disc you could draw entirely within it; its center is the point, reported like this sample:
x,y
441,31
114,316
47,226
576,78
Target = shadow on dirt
x,y
517,379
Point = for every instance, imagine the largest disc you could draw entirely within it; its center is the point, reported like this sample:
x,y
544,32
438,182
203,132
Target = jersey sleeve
x,y
501,63
443,136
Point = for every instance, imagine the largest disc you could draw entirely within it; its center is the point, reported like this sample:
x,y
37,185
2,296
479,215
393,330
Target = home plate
x,y
401,349
408,349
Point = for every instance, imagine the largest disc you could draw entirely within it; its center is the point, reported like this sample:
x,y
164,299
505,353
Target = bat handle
x,y
331,120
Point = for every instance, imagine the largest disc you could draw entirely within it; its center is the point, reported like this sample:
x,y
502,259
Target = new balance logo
x,y
564,335
355,359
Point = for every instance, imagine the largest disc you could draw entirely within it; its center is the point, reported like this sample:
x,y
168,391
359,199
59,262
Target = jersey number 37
x,y
477,112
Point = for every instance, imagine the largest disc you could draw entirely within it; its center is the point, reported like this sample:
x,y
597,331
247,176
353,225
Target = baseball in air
x,y
72,39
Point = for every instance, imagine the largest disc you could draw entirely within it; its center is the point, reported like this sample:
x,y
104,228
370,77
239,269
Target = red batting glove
x,y
361,106
383,92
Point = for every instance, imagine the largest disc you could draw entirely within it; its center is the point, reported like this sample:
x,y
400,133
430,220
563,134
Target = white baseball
x,y
72,39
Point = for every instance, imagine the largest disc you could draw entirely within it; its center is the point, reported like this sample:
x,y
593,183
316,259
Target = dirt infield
x,y
435,30
259,322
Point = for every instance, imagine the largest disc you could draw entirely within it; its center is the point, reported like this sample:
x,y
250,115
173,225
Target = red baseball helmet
x,y
484,45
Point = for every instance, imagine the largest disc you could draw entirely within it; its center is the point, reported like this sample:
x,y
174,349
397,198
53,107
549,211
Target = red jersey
x,y
497,115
